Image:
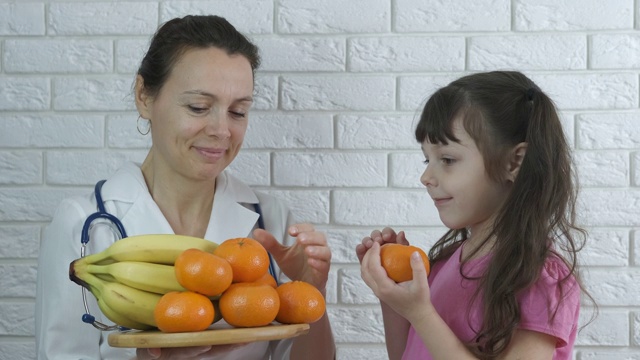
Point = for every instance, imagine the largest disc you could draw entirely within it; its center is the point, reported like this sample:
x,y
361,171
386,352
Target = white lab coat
x,y
60,332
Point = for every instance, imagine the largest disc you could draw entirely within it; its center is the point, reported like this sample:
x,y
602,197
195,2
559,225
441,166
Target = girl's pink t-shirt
x,y
451,295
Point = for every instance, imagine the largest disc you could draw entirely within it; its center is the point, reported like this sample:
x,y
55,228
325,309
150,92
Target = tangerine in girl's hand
x,y
396,260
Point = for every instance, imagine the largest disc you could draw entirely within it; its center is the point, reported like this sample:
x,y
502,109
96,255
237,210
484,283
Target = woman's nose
x,y
218,125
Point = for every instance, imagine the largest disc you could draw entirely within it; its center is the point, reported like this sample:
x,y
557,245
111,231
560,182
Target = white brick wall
x,y
338,94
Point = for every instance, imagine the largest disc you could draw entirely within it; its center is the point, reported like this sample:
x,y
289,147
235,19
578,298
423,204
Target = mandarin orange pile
x,y
233,283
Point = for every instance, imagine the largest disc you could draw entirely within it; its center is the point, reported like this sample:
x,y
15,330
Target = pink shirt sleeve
x,y
550,306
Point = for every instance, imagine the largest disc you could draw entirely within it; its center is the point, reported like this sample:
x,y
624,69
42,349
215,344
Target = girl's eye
x,y
426,161
448,161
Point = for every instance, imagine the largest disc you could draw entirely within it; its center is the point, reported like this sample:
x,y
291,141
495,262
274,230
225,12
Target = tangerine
x,y
183,311
268,279
248,258
396,260
203,272
300,303
249,304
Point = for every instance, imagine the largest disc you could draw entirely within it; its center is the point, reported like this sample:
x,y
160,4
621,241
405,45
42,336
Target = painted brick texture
x,y
331,131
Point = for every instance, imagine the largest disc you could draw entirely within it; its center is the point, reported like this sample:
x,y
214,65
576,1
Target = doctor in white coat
x,y
195,89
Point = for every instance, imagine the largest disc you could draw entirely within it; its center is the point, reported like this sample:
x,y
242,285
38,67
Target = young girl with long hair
x,y
504,280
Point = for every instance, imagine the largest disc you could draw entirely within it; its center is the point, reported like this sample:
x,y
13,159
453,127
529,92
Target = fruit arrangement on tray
x,y
177,284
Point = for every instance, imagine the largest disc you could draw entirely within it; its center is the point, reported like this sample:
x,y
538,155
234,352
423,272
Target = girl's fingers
x,y
419,271
402,238
371,263
388,234
376,236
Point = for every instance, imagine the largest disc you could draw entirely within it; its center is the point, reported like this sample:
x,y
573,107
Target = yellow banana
x,y
153,248
120,319
117,318
157,278
134,305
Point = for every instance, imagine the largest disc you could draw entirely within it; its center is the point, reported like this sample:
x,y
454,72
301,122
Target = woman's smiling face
x,y
200,116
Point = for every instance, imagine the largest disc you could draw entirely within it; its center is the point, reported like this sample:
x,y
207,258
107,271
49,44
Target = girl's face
x,y
200,115
457,182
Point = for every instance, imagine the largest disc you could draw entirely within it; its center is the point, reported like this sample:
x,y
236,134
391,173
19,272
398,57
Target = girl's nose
x,y
427,178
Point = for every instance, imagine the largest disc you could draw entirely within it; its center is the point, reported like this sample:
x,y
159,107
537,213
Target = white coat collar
x,y
135,207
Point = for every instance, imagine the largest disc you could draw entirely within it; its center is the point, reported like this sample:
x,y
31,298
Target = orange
x,y
249,304
396,260
268,279
183,312
203,272
248,258
300,303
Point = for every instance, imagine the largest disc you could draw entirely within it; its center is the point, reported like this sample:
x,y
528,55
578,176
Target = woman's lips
x,y
211,153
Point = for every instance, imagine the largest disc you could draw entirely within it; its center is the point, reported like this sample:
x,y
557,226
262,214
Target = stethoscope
x,y
118,230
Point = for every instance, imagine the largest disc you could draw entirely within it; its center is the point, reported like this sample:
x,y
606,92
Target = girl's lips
x,y
441,201
211,154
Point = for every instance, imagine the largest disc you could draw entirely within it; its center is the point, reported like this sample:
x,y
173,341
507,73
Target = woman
x,y
195,89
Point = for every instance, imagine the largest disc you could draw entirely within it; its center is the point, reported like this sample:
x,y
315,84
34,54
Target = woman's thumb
x,y
265,238
269,242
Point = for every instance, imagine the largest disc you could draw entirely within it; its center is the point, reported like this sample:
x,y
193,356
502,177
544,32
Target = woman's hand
x,y
387,235
410,299
185,353
308,259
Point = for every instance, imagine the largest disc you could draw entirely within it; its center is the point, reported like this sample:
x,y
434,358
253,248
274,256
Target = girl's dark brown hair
x,y
178,35
500,110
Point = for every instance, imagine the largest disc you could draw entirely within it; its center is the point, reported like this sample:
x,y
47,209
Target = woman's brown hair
x,y
178,35
501,109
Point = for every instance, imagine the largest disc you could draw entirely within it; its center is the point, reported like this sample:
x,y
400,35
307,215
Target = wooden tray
x,y
212,336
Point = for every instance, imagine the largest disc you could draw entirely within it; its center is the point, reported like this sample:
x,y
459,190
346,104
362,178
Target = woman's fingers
x,y
172,353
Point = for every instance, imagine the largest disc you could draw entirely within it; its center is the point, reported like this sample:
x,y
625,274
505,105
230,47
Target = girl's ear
x,y
143,100
515,160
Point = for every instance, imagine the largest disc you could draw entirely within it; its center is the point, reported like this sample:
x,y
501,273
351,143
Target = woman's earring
x,y
143,126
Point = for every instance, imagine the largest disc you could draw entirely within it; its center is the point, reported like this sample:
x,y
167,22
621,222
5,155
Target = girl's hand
x,y
307,260
185,353
410,299
387,235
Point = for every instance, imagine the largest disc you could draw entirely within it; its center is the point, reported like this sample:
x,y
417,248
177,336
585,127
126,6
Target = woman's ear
x,y
515,160
143,100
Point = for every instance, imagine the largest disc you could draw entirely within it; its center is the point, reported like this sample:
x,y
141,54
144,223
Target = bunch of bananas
x,y
129,278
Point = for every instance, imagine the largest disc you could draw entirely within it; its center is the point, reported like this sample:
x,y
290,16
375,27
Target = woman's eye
x,y
237,114
197,109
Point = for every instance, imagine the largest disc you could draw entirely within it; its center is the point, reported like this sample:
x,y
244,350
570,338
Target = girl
x,y
504,282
